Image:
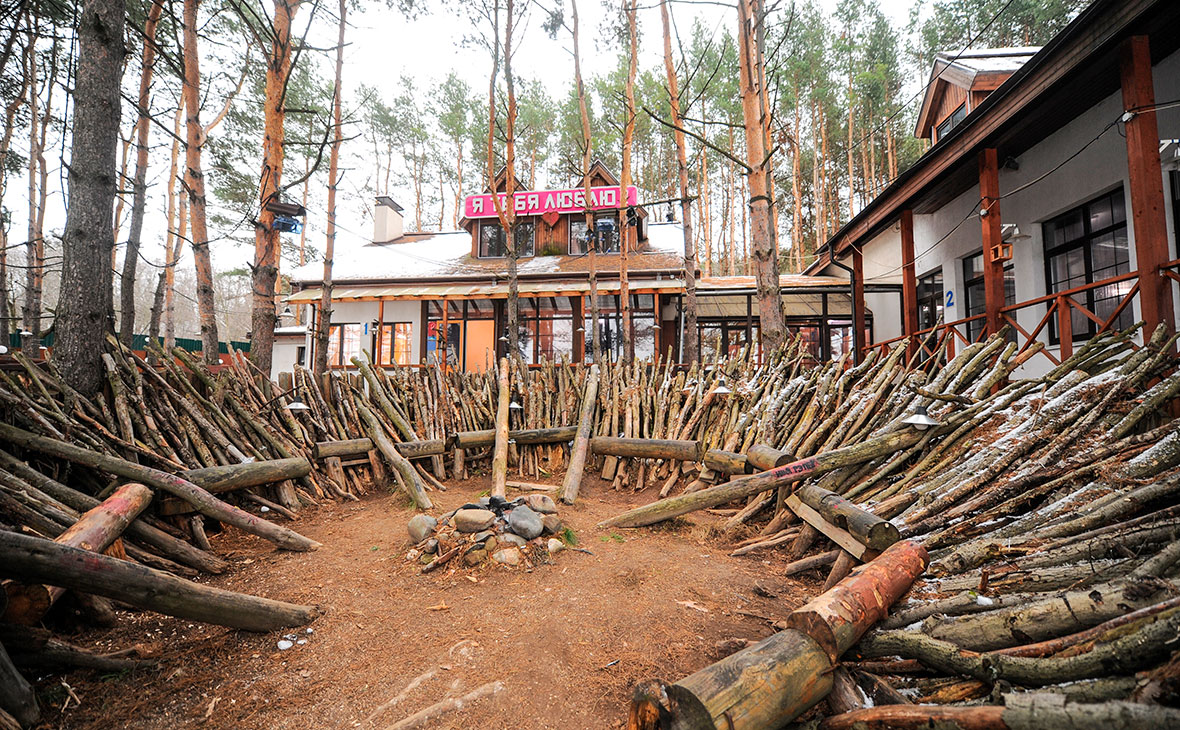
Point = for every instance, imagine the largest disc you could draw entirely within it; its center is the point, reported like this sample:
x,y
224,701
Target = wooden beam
x,y
993,239
1147,191
909,282
858,306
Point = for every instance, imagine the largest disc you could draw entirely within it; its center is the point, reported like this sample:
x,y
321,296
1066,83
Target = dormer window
x,y
491,239
951,121
607,227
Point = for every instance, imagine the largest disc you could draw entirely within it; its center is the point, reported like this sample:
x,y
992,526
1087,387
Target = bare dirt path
x,y
567,640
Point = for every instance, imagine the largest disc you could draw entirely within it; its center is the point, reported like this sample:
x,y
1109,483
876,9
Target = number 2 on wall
x,y
950,298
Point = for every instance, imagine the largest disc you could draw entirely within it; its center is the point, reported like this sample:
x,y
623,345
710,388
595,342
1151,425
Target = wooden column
x,y
579,353
993,239
1147,191
858,306
377,339
909,282
444,334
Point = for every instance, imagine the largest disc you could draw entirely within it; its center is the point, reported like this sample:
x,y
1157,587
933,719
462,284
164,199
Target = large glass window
x,y
1084,246
606,225
491,239
973,289
344,343
396,341
929,299
610,325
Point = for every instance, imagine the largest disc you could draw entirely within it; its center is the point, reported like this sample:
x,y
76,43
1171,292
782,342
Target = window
x,y
973,288
929,299
344,343
396,343
491,239
300,355
607,226
610,326
1084,246
951,122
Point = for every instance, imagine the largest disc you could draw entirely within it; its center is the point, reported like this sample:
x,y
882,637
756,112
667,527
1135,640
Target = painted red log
x,y
838,618
94,531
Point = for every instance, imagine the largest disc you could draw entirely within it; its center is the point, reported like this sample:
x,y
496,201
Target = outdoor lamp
x,y
25,333
297,405
514,406
721,388
919,419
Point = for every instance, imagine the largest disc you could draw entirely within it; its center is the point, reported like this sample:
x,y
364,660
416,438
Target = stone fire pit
x,y
519,532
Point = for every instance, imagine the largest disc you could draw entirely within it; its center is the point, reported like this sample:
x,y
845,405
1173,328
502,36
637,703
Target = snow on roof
x,y
989,60
447,255
293,330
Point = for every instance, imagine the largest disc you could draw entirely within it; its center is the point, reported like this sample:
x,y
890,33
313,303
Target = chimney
x,y
387,220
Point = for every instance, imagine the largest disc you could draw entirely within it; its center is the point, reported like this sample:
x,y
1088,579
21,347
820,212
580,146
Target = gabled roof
x,y
972,70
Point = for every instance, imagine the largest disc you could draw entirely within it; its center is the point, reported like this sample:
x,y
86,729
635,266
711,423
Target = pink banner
x,y
537,202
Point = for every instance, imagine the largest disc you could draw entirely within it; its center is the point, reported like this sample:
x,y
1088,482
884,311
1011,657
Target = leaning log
x,y
500,453
522,437
743,487
35,559
872,531
16,695
357,447
1033,711
573,474
776,680
229,478
648,448
94,531
205,503
409,477
726,462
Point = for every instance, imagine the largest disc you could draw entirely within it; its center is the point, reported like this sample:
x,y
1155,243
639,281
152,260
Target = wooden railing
x,y
946,337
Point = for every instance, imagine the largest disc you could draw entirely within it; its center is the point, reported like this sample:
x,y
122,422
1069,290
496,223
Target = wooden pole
x,y
94,531
1146,183
573,474
204,502
859,341
744,487
909,282
993,239
872,531
35,559
727,462
500,455
523,437
648,448
356,447
763,457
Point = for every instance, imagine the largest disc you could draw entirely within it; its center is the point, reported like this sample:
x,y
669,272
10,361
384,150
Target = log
x,y
522,437
577,465
34,559
648,448
841,537
94,531
872,531
16,695
726,462
1032,711
221,479
409,477
205,503
744,487
358,447
838,618
500,452
774,681
763,457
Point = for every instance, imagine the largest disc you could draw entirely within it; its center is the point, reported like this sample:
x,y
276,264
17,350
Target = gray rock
x,y
474,520
525,522
508,556
552,524
512,539
285,644
491,544
421,527
431,546
483,536
541,503
555,545
485,501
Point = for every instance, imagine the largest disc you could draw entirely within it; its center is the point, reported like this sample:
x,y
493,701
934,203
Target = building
x,y
407,297
1048,201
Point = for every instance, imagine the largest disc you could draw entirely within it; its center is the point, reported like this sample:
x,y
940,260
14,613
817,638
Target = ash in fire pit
x,y
506,532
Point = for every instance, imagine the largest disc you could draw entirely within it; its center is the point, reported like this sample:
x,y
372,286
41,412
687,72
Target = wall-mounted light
x,y
919,419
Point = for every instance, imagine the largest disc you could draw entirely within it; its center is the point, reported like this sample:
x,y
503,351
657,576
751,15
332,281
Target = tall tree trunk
x,y
707,229
139,185
692,348
587,147
851,150
627,232
171,238
84,304
266,238
6,311
755,111
324,321
31,319
194,183
505,210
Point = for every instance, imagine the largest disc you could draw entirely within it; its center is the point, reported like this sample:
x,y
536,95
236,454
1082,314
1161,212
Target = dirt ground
x,y
567,640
